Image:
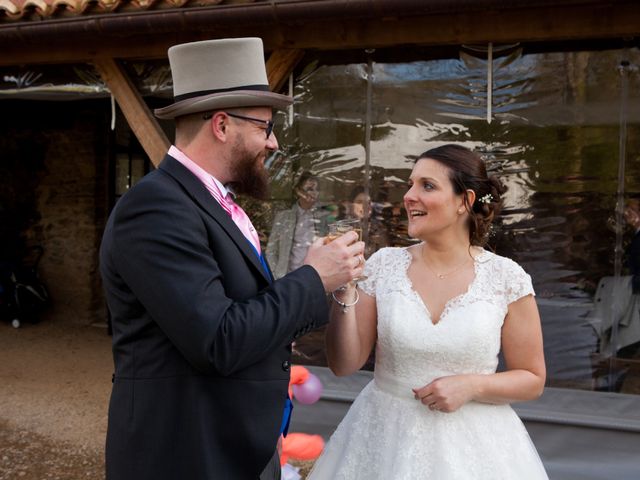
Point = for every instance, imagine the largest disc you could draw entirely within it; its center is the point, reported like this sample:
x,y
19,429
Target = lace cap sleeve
x,y
517,282
372,270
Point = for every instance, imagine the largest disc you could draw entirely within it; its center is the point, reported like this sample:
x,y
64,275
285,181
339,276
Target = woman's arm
x,y
525,375
351,334
524,358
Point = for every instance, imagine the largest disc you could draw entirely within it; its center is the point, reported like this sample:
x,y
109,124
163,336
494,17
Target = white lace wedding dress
x,y
389,435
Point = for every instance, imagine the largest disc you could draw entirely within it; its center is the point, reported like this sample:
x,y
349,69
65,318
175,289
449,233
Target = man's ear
x,y
219,125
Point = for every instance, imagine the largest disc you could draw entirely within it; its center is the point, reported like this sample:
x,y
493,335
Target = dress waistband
x,y
390,384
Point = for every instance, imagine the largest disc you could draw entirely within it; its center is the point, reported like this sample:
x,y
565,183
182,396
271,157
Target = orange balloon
x,y
299,375
301,446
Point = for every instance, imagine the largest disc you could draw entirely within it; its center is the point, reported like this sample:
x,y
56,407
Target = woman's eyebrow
x,y
422,179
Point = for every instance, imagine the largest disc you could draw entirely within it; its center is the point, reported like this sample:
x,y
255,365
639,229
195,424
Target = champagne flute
x,y
339,228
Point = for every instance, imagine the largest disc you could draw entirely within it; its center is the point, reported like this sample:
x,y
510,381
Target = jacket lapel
x,y
197,191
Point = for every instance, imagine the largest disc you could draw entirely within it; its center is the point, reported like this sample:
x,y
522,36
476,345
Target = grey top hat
x,y
216,74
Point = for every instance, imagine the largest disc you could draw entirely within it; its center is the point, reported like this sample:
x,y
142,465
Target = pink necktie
x,y
241,219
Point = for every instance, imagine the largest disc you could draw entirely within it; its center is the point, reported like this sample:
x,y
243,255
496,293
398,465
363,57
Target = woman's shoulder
x,y
388,258
384,267
501,263
385,252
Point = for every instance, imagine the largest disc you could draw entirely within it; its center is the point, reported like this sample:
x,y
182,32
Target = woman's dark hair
x,y
304,176
353,194
467,171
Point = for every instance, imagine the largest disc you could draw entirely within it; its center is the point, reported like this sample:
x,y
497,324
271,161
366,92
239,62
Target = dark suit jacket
x,y
201,335
633,261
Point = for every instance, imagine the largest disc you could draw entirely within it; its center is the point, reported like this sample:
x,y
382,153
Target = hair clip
x,y
488,198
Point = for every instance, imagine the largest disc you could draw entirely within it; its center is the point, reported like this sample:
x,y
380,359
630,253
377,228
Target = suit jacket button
x,y
286,365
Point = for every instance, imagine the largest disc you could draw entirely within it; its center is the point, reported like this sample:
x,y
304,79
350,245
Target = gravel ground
x,y
29,456
55,386
55,389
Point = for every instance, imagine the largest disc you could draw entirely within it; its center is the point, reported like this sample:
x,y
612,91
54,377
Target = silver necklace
x,y
442,276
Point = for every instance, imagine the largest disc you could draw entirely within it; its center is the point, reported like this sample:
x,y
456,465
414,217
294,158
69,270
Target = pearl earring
x,y
460,211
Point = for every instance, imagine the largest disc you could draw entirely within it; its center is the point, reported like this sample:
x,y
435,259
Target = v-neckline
x,y
445,309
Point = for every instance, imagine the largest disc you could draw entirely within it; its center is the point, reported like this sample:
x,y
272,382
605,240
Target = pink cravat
x,y
222,196
241,219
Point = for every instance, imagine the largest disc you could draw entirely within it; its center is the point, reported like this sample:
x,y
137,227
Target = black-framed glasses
x,y
267,123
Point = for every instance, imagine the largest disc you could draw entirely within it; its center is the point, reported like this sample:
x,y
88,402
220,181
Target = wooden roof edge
x,y
286,25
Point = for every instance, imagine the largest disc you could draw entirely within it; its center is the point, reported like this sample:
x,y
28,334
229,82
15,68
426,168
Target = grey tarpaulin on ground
x,y
580,435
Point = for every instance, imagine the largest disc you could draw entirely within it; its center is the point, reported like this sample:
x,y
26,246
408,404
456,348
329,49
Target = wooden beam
x,y
525,25
280,65
509,26
140,119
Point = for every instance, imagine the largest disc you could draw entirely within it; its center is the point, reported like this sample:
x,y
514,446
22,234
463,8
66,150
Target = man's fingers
x,y
356,248
318,242
348,238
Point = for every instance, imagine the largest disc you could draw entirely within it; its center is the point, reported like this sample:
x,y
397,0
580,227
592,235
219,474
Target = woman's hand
x,y
447,394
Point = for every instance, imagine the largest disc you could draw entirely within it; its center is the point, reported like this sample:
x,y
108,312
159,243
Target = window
x,y
129,162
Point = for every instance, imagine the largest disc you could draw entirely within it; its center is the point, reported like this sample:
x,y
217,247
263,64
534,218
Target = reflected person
x,y
632,218
202,333
359,206
296,228
628,332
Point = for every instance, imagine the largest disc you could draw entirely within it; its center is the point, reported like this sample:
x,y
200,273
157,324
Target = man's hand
x,y
337,262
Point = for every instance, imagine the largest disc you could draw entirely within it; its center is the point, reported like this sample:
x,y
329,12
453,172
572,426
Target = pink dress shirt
x,y
222,196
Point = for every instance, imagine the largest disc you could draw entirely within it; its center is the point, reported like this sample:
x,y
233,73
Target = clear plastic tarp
x,y
79,81
559,127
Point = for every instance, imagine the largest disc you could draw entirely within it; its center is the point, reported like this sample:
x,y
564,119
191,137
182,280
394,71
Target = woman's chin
x,y
413,231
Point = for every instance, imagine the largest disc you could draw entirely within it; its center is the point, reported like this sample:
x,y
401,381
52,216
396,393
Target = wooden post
x,y
279,65
140,119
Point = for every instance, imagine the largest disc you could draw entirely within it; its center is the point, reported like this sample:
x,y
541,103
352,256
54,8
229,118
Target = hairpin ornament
x,y
488,198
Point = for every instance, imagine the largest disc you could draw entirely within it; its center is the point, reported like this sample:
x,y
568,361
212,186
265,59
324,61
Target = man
x,y
201,331
632,218
295,229
628,335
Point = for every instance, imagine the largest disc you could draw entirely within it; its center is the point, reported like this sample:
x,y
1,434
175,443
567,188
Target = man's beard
x,y
249,175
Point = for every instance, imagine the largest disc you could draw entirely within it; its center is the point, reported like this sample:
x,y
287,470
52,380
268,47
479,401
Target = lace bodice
x,y
410,349
387,434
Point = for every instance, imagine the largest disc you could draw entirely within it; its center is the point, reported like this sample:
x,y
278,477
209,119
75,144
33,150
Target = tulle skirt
x,y
389,435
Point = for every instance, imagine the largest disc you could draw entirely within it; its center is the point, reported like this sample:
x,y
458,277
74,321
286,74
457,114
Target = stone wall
x,y
69,193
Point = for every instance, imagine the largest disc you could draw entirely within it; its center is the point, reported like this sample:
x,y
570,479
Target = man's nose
x,y
272,142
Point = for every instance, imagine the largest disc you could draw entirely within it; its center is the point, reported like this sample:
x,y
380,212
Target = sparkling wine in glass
x,y
340,227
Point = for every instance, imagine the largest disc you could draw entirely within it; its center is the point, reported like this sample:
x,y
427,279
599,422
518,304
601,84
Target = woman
x,y
438,313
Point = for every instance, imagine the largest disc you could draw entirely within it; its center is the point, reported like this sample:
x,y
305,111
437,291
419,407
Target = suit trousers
x,y
273,470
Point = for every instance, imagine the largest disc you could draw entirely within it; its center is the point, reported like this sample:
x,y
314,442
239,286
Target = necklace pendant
x,y
441,277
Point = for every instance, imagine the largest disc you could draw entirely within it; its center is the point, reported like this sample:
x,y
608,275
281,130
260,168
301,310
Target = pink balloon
x,y
308,392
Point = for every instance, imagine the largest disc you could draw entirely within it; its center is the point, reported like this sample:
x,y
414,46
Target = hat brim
x,y
216,101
